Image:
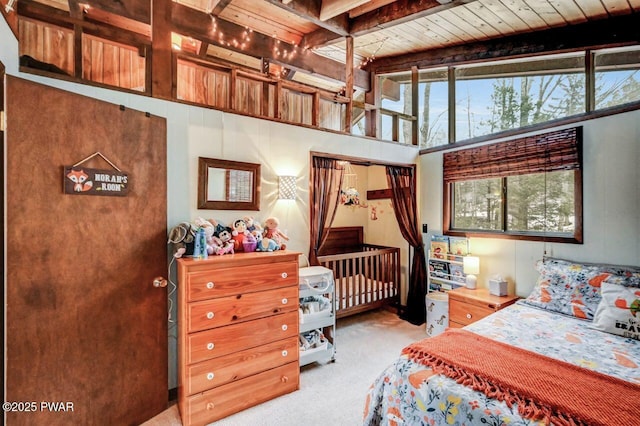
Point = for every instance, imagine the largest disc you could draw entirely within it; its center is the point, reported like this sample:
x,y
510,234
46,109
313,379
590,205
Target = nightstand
x,y
467,306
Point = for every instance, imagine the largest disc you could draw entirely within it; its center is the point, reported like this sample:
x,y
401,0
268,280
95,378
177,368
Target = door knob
x,y
159,282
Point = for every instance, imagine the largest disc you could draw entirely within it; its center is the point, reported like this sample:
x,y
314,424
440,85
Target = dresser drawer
x,y
236,366
236,396
466,313
227,310
248,279
221,341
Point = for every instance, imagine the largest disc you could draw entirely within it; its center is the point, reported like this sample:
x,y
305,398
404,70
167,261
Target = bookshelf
x,y
444,273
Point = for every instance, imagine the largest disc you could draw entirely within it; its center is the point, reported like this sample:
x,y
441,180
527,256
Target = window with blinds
x,y
525,188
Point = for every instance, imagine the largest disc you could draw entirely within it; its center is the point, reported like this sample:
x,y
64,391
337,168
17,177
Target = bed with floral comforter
x,y
398,398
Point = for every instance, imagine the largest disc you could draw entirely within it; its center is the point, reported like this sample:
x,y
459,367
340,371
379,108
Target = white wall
x,y
611,204
194,132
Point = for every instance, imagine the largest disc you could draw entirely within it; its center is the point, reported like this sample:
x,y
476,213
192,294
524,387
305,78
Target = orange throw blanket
x,y
545,389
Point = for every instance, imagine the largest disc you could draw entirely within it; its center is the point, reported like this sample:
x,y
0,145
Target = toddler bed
x,y
366,276
566,355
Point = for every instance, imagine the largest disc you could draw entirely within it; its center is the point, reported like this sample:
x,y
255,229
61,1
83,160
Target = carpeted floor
x,y
330,394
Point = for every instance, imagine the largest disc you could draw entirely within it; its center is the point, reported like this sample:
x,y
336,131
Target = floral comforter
x,y
407,393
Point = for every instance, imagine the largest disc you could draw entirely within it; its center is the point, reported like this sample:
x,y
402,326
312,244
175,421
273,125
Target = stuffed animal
x,y
271,231
182,238
227,240
209,231
252,226
267,244
218,227
239,233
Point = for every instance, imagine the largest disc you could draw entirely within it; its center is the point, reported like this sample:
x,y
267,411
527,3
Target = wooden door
x,y
85,325
2,73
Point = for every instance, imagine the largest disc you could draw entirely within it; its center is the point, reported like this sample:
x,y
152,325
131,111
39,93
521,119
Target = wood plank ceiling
x,y
310,36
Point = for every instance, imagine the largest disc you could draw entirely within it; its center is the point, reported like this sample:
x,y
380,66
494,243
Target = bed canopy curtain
x,y
402,182
327,175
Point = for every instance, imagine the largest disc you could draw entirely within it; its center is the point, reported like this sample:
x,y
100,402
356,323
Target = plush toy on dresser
x,y
239,233
253,227
272,231
181,237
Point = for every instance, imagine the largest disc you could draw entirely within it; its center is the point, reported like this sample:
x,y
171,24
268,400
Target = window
x,y
506,95
433,108
396,113
527,188
617,74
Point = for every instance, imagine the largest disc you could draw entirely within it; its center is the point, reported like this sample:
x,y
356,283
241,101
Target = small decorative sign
x,y
85,181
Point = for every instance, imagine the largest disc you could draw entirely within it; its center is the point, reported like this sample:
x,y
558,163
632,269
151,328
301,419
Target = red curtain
x,y
402,182
327,175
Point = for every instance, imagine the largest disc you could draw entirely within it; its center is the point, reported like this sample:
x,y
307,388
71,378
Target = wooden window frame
x,y
578,234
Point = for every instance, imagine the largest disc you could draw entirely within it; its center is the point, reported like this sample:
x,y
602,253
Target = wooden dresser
x,y
467,306
237,332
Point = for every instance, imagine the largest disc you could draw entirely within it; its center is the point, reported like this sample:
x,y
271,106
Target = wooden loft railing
x,y
52,46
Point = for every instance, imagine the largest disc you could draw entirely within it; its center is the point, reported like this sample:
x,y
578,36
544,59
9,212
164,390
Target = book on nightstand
x,y
439,246
458,247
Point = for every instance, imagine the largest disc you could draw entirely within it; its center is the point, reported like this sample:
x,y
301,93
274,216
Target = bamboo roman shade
x,y
547,152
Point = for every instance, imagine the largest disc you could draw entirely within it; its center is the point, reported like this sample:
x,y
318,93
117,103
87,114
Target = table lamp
x,y
471,267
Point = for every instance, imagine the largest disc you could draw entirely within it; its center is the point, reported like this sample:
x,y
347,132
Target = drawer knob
x,y
284,275
285,353
210,315
284,301
210,376
468,316
210,346
284,379
284,327
210,405
210,285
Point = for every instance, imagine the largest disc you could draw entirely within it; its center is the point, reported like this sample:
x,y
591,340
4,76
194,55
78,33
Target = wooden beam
x,y
204,46
372,116
161,57
136,10
222,4
200,25
348,91
397,13
61,18
415,106
389,15
617,30
331,8
309,10
318,38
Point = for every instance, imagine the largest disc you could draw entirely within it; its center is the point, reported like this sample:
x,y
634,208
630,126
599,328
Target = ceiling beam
x,y
138,10
386,16
310,11
397,13
613,31
331,8
204,27
222,4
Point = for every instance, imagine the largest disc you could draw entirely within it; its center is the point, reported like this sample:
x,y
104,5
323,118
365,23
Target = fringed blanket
x,y
536,383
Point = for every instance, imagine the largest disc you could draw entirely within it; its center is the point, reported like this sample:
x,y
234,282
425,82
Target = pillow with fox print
x,y
619,310
568,287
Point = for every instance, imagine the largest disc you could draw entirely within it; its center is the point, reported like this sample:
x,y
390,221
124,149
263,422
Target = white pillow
x,y
619,310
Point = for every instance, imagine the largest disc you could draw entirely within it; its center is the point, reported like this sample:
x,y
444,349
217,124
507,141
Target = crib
x,y
366,276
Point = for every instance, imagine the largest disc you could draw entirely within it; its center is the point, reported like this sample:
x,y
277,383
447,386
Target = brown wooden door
x,y
85,325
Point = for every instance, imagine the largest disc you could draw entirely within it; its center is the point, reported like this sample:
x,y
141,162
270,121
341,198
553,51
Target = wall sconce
x,y
471,267
286,188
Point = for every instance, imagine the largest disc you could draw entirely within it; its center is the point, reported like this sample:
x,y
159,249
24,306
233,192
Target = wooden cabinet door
x,y
85,325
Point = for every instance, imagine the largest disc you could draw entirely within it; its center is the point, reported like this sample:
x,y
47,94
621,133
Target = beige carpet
x,y
330,394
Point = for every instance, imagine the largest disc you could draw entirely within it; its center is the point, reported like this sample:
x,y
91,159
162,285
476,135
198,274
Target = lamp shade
x,y
286,187
471,265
